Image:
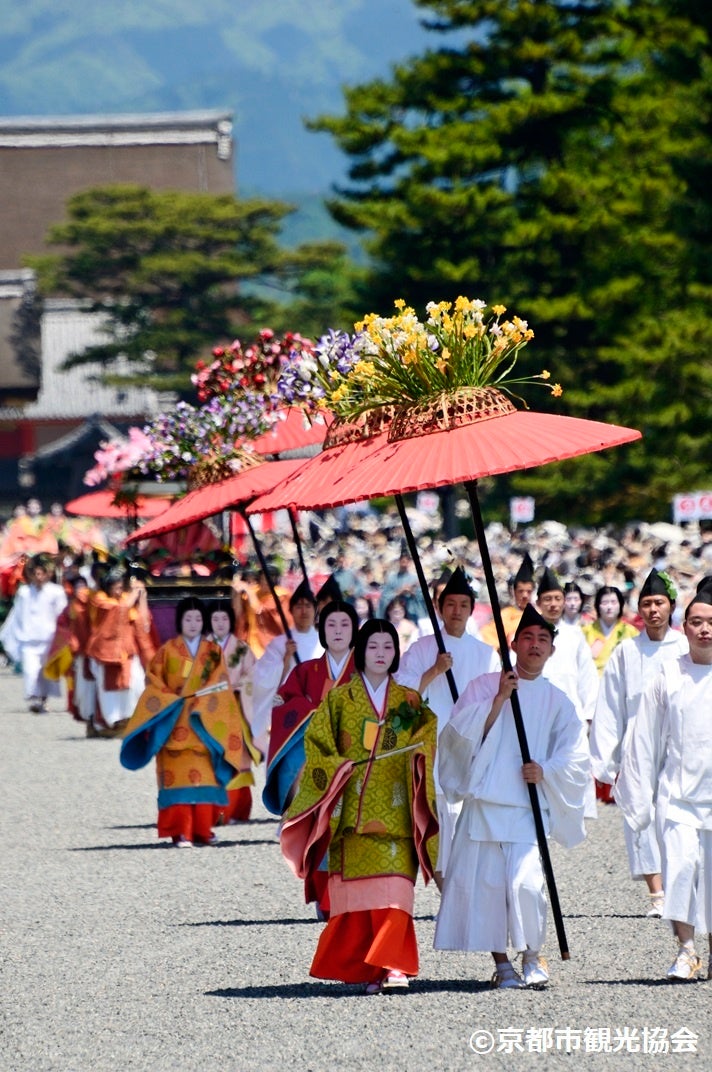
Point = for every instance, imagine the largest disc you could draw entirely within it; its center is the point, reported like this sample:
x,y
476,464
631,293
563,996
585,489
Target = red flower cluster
x,y
255,366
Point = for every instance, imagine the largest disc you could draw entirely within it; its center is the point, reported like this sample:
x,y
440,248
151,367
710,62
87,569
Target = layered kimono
x,y
258,620
373,807
269,673
493,894
197,742
80,630
117,637
511,616
301,694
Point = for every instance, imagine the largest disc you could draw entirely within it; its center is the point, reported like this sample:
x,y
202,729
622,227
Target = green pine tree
x,y
549,155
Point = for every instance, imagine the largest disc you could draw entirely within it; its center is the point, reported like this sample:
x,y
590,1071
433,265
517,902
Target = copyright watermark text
x,y
652,1040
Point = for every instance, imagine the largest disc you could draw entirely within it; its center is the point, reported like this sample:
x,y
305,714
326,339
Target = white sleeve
x,y
643,756
588,680
460,742
415,662
267,671
567,773
610,719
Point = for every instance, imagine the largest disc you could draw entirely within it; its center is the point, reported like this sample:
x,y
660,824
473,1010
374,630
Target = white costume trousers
x,y
687,874
447,818
84,690
32,657
643,850
493,897
118,704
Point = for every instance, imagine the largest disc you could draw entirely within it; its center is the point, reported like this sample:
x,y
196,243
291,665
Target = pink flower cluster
x,y
118,456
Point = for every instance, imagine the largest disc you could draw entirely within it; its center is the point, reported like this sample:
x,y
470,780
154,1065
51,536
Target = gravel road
x,y
120,953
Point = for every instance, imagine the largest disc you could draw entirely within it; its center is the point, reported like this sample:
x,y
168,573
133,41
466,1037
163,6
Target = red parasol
x,y
501,443
291,433
214,498
101,504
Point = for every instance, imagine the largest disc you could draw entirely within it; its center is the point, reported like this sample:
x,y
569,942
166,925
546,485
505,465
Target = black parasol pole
x,y
298,542
412,547
270,583
471,488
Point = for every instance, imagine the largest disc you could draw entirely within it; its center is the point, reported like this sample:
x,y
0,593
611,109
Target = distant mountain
x,y
273,62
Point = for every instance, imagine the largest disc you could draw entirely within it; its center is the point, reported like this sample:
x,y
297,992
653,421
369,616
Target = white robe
x,y
34,623
572,669
470,659
668,757
666,774
632,664
493,887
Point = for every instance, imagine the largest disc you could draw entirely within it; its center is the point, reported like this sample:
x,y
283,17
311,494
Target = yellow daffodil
x,y
461,343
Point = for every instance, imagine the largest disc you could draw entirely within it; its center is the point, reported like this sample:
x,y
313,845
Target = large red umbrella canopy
x,y
319,477
214,498
101,504
501,444
292,432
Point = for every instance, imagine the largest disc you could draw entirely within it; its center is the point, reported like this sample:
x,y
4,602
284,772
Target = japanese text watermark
x,y
652,1040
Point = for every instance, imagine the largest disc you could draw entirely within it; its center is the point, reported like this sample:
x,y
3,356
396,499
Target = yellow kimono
x,y
197,740
603,644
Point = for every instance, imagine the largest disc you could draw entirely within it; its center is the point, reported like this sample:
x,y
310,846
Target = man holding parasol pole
x,y
493,892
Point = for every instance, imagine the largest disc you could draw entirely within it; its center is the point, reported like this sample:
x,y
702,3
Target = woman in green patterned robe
x,y
367,794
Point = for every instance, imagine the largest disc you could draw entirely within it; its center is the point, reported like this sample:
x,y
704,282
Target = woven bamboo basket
x,y
216,467
366,426
451,409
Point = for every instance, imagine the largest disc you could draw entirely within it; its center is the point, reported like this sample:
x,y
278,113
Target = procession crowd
x,y
388,720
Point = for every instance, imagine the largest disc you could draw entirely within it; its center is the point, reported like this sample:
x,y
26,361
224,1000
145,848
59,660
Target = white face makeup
x,y
338,631
379,655
609,609
192,624
220,623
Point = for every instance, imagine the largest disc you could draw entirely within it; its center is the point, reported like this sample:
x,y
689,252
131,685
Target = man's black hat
x,y
549,582
531,616
658,584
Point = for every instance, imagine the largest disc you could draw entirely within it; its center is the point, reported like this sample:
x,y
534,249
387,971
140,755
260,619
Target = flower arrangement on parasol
x,y
238,401
455,366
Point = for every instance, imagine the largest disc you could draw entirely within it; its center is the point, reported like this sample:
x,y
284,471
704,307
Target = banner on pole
x,y
521,509
692,506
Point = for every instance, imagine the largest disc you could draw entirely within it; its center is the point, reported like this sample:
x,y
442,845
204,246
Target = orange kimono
x,y
196,740
258,621
113,638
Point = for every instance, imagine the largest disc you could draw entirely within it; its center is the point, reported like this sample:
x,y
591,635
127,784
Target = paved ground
x,y
122,954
